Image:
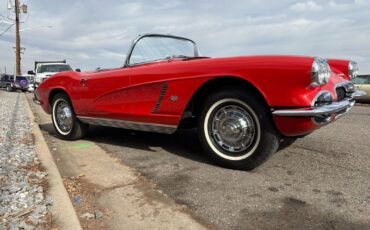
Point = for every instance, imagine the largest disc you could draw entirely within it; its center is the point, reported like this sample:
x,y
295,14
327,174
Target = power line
x,y
6,30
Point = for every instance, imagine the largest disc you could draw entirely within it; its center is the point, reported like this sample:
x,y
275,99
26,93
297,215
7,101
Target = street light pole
x,y
17,40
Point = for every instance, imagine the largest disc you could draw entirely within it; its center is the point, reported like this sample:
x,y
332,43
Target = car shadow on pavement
x,y
184,143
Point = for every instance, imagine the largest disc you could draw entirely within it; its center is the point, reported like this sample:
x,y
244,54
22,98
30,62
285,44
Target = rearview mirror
x,y
30,72
78,70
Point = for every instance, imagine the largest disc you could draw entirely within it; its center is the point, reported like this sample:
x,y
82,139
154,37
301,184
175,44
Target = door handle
x,y
83,81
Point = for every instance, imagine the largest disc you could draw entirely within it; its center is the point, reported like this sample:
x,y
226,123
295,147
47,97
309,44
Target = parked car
x,y
362,82
243,107
12,83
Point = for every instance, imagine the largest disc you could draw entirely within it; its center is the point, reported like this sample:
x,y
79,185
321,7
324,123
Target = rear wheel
x,y
236,130
64,119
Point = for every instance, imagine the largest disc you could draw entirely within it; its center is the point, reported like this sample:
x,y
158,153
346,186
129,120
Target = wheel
x,y
24,90
9,88
236,130
64,119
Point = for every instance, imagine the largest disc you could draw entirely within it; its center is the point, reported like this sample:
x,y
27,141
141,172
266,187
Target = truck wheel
x,y
9,88
236,130
64,119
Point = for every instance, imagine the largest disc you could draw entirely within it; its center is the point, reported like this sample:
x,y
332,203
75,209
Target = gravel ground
x,y
23,204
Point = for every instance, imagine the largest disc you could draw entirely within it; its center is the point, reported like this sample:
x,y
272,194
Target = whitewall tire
x,y
64,119
236,130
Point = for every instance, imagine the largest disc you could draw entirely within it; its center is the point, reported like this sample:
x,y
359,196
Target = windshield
x,y
155,48
53,68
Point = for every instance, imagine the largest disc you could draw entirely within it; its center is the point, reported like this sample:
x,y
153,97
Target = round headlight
x,y
352,69
321,72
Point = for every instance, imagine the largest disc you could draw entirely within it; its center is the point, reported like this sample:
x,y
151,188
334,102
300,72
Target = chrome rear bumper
x,y
325,110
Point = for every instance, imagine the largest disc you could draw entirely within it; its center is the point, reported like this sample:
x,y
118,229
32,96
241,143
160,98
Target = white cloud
x,y
306,6
93,33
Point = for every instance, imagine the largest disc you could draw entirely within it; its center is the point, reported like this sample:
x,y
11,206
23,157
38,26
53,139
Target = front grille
x,y
341,93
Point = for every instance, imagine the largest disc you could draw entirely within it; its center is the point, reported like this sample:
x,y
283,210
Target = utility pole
x,y
17,40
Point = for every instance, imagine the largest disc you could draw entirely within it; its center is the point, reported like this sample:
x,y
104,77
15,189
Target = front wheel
x,y
236,130
64,119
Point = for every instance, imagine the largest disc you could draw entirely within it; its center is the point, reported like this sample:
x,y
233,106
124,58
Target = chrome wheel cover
x,y
233,128
63,117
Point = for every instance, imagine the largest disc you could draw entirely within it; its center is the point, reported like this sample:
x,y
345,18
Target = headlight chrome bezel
x,y
320,72
352,69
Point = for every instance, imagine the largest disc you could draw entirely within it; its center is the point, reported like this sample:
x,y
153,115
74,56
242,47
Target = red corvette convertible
x,y
243,107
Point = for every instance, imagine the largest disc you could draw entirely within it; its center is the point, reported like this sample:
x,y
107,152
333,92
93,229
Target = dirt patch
x,y
28,139
84,198
273,189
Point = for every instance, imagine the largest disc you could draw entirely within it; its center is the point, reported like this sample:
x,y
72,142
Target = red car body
x,y
160,93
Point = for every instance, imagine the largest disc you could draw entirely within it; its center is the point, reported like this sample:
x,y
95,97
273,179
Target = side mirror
x,y
78,70
30,72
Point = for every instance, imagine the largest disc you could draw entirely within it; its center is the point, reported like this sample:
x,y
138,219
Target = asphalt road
x,y
319,182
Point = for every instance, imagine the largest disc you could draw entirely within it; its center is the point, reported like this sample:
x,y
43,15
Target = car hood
x,y
46,74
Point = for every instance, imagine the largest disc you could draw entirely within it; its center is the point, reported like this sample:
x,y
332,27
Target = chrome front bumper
x,y
325,110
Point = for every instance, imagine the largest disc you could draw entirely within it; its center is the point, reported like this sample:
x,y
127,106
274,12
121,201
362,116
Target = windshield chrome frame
x,y
134,42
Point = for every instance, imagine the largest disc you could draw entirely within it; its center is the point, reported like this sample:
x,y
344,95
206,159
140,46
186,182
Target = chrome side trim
x,y
141,126
160,98
324,110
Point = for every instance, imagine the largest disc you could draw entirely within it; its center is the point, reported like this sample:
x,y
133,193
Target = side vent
x,y
160,98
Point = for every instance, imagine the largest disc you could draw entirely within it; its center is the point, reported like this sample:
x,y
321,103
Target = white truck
x,y
45,69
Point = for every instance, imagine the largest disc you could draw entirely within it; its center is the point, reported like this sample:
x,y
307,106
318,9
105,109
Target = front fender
x,y
67,82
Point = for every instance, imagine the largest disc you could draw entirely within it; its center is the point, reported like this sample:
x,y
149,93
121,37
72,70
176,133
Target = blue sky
x,y
95,33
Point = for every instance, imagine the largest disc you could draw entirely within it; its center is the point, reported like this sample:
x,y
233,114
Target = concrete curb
x,y
62,210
